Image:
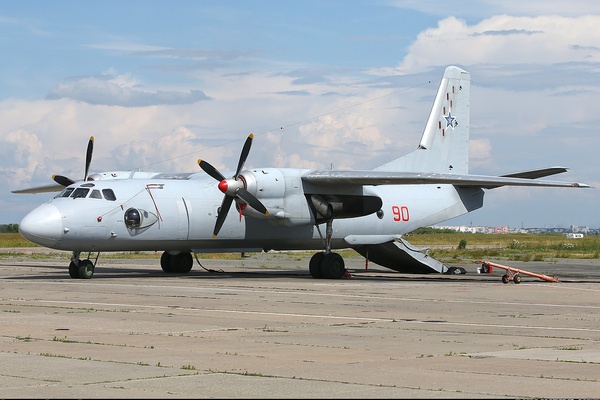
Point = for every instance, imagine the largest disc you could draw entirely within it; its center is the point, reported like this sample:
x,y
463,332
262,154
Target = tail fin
x,y
444,146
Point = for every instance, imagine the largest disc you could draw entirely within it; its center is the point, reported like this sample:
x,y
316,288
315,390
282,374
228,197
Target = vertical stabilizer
x,y
444,146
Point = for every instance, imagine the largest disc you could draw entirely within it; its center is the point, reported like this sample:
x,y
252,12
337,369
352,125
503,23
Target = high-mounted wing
x,y
330,177
40,189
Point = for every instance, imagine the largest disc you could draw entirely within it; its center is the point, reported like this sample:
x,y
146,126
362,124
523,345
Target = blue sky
x,y
320,83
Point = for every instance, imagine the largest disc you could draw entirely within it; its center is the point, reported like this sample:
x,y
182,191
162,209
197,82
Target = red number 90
x,y
400,213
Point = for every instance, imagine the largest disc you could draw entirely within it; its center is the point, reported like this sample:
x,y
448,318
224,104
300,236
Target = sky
x,y
320,83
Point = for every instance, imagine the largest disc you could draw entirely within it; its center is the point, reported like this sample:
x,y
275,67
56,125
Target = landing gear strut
x,y
82,269
326,264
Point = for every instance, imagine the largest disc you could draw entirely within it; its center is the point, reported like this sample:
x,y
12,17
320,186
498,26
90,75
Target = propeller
x,y
233,188
63,180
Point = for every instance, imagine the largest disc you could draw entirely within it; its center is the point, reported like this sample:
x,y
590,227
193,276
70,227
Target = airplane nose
x,y
42,226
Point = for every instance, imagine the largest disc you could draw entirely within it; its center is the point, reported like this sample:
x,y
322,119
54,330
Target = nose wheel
x,y
81,269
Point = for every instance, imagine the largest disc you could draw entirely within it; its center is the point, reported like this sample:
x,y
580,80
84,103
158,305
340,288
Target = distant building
x,y
580,229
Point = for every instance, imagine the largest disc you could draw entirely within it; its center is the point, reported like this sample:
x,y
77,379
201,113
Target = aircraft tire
x,y
86,269
183,263
332,266
165,263
517,279
314,266
505,279
74,270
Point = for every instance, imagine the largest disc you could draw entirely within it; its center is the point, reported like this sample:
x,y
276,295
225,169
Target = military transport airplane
x,y
283,208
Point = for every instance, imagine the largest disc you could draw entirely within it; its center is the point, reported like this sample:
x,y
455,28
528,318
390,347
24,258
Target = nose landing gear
x,y
82,269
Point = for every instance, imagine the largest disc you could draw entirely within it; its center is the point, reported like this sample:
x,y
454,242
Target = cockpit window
x,y
80,193
109,194
65,193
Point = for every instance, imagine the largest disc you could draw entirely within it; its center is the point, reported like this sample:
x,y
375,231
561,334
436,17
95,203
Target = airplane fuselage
x,y
178,215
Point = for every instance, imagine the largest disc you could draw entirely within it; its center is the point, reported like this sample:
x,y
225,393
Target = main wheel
x,y
86,269
332,266
74,270
314,266
165,263
180,263
183,262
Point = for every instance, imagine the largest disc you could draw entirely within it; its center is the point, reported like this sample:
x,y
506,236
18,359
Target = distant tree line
x,y
9,228
428,230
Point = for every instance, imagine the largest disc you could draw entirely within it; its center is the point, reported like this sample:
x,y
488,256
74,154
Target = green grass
x,y
517,246
14,240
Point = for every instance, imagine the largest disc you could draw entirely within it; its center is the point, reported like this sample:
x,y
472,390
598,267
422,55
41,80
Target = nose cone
x,y
42,226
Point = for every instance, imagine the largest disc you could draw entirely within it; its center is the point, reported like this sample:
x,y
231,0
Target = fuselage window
x,y
80,193
109,194
95,194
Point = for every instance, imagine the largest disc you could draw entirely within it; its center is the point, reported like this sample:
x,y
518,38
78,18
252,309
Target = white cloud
x,y
505,40
20,152
119,90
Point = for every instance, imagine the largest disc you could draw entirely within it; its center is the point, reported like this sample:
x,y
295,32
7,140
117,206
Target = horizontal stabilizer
x,y
537,173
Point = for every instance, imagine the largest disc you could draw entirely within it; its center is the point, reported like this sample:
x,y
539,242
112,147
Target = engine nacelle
x,y
281,191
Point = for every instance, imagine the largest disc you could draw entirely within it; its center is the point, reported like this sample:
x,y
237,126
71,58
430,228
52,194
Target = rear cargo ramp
x,y
402,256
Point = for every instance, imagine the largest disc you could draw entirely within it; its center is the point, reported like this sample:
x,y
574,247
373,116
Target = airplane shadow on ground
x,y
60,272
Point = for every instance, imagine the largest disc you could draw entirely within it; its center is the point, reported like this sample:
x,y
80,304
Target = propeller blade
x,y
210,170
62,180
244,155
225,206
228,186
251,200
88,157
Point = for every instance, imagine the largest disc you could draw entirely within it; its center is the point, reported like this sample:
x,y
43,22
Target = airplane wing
x,y
40,189
375,177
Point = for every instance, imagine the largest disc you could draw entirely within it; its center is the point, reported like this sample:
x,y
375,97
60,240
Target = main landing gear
x,y
179,263
82,269
326,264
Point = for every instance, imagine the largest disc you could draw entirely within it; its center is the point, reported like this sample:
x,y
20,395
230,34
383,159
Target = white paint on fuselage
x,y
187,211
